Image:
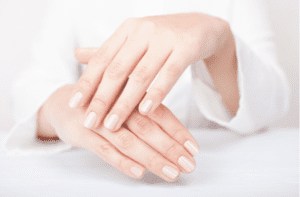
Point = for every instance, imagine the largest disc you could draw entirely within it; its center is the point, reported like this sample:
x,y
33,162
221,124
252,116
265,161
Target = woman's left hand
x,y
141,48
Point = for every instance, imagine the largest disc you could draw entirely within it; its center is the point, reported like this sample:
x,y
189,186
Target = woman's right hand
x,y
170,150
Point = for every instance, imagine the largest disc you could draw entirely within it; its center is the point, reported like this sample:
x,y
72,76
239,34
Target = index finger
x,y
97,63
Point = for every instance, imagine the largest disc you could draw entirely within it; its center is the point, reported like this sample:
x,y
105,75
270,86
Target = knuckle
x,y
85,83
115,70
158,93
177,133
125,140
172,150
131,119
153,162
144,126
173,71
99,102
123,106
102,57
159,114
122,165
95,61
105,149
141,75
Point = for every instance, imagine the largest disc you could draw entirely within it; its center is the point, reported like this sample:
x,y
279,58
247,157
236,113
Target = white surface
x,y
264,164
21,20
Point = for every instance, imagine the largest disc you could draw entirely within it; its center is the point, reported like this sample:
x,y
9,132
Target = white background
x,y
20,22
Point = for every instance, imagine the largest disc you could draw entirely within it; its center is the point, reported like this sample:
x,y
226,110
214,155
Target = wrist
x,y
46,116
222,66
224,42
44,131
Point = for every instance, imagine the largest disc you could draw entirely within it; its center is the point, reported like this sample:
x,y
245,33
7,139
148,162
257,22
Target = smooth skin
x,y
142,47
158,142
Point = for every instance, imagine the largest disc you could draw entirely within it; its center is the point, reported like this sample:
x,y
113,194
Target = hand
x,y
125,149
142,47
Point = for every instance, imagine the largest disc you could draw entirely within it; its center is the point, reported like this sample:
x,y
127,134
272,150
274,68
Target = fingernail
x,y
112,122
74,102
136,171
186,164
90,120
191,148
170,172
147,106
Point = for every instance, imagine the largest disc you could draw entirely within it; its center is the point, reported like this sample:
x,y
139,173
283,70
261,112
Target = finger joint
x,y
115,70
141,75
123,107
177,133
173,71
158,93
125,140
159,114
122,164
144,126
153,162
99,102
105,149
102,57
172,150
85,83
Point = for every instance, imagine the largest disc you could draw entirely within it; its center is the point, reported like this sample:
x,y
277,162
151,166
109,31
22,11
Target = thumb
x,y
84,54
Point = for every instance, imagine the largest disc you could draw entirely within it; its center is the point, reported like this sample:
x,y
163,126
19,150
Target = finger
x,y
173,127
168,76
83,55
149,132
133,147
137,84
109,153
113,80
91,77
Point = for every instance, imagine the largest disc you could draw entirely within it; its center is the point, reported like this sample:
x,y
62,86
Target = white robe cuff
x,y
21,140
263,94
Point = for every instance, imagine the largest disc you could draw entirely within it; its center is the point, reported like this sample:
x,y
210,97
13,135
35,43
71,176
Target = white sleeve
x,y
264,93
53,66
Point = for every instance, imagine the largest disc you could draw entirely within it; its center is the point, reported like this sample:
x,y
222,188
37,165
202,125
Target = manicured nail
x,y
147,106
170,172
186,164
112,122
75,100
136,171
90,120
191,148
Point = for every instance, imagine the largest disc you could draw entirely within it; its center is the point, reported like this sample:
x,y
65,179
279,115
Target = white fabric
x,y
69,24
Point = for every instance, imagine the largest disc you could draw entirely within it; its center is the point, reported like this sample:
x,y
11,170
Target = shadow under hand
x,y
82,164
85,165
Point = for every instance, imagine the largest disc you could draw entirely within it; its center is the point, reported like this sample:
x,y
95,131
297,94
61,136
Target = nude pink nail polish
x,y
186,164
191,147
136,171
75,100
90,120
170,172
147,106
112,122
